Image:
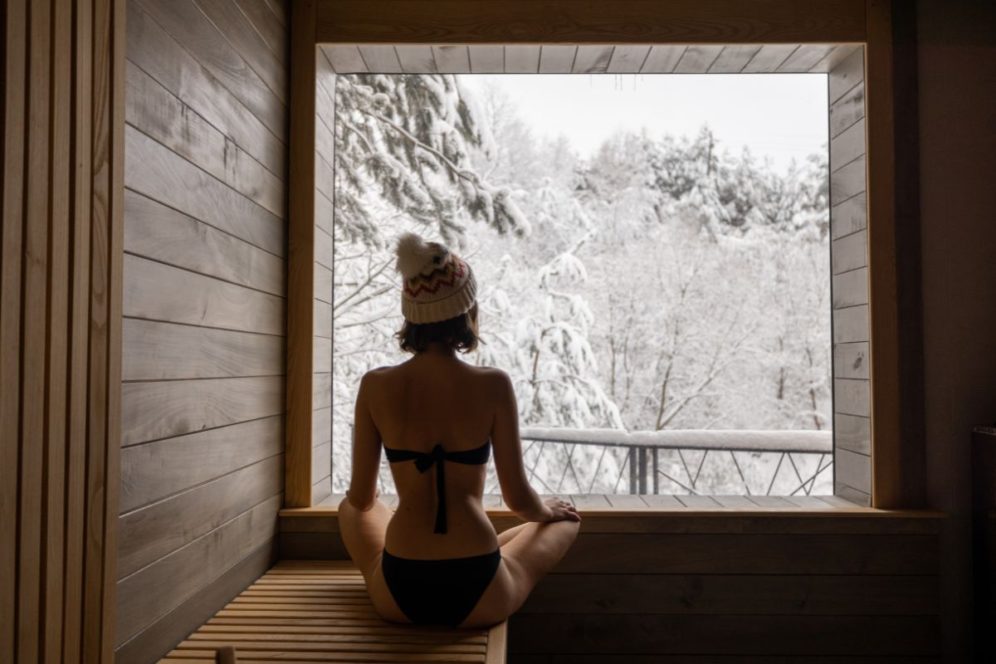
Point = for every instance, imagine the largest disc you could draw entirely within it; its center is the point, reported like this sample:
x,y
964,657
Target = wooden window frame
x,y
884,27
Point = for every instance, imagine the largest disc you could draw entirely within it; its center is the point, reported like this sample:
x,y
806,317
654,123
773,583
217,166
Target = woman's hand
x,y
560,510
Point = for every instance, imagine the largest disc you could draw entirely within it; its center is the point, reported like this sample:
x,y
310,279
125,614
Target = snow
x,y
662,293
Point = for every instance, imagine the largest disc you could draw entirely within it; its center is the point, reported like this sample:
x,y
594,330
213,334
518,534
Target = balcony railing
x,y
771,462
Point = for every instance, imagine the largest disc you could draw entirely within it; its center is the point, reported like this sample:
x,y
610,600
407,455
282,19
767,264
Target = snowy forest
x,y
660,283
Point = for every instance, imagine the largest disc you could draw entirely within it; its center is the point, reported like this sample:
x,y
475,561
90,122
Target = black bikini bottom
x,y
439,592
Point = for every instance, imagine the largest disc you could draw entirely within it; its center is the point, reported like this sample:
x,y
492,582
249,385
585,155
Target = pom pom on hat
x,y
437,284
416,255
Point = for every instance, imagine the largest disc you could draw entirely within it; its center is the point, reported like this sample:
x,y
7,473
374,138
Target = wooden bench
x,y
319,611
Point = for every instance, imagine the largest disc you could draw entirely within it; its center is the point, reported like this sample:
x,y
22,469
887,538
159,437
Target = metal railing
x,y
642,460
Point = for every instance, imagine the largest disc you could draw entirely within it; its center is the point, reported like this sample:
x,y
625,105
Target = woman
x,y
437,558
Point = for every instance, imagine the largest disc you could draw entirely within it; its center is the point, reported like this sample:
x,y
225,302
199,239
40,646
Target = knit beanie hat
x,y
436,283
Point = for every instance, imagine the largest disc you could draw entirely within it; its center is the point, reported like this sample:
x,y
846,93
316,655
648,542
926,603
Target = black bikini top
x,y
426,460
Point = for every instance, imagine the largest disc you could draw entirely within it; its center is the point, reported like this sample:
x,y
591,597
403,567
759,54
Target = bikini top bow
x,y
438,457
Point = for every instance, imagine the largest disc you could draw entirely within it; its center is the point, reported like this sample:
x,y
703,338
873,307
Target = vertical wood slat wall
x,y
849,267
204,330
60,305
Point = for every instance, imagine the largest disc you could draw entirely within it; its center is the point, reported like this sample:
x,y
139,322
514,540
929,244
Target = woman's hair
x,y
458,333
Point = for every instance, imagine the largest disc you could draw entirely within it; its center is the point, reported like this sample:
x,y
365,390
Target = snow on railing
x,y
644,465
738,440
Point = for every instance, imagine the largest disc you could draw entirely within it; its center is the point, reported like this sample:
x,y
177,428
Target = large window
x,y
653,254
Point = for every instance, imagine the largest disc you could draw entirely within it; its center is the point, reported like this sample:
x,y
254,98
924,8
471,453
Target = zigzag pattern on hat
x,y
445,276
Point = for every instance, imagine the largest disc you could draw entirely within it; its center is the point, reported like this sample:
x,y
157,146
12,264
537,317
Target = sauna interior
x,y
166,341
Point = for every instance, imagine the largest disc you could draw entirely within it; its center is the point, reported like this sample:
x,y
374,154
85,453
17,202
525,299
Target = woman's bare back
x,y
428,400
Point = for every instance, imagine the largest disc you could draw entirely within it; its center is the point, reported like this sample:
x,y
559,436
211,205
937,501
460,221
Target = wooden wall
x,y
321,432
60,304
204,311
674,586
849,266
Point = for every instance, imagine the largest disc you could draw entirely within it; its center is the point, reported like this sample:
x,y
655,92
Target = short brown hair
x,y
458,333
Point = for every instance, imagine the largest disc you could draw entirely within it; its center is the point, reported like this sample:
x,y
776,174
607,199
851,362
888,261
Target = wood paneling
x,y
655,583
622,21
203,346
60,307
849,260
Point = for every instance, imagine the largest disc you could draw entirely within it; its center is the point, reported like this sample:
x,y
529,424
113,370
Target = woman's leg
x,y
363,534
505,536
530,552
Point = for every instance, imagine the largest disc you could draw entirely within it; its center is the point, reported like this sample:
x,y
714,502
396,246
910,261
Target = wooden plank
x,y
162,175
853,469
846,75
207,44
346,58
522,59
698,502
487,58
322,462
564,22
849,252
847,110
697,59
380,58
185,618
693,553
163,234
35,268
155,470
849,216
166,351
301,258
263,21
248,44
850,288
156,112
726,634
556,58
628,59
157,291
805,58
154,591
153,532
57,351
852,432
851,397
161,409
79,355
451,59
851,324
592,59
837,55
769,58
159,55
11,248
851,360
733,58
323,284
848,145
848,181
761,594
416,59
662,59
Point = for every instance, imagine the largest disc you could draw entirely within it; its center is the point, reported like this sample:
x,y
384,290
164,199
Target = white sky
x,y
780,116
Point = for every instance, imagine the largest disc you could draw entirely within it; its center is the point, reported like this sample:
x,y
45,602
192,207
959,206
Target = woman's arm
x,y
518,494
366,451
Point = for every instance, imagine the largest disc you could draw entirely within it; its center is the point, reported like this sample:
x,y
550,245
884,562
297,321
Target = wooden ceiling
x,y
586,58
